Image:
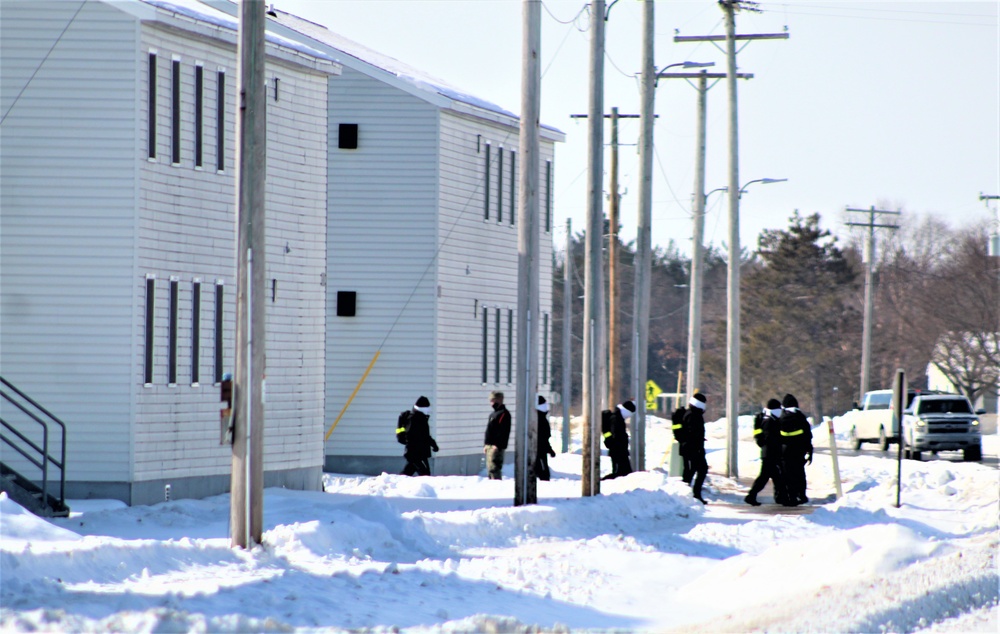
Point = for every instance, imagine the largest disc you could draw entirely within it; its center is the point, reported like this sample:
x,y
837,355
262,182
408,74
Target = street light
x,y
659,73
765,181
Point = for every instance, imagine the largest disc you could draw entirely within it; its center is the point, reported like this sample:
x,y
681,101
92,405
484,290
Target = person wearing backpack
x,y
616,438
413,430
694,438
796,451
544,444
767,434
677,425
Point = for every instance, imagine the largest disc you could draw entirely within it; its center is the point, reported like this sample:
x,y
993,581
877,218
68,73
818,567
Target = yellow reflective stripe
x,y
757,431
607,434
400,429
677,426
791,433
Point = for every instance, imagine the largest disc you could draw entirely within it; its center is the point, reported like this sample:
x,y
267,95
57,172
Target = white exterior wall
x,y
67,222
381,239
187,231
478,271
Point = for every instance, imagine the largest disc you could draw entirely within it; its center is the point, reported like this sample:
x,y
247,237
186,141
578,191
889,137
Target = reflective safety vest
x,y
797,432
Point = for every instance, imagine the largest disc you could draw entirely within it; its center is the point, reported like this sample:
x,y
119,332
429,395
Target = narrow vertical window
x,y
276,82
513,186
220,126
486,191
486,316
151,105
175,112
510,345
500,185
548,196
219,296
199,113
496,350
172,335
147,362
545,348
195,332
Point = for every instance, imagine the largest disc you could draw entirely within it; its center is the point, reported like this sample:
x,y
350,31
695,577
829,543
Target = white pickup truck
x,y
932,422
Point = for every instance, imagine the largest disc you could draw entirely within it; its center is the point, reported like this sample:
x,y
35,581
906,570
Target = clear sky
x,y
891,104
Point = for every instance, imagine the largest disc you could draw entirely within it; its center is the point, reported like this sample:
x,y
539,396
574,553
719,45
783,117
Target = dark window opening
x,y
172,335
496,350
219,296
548,196
195,333
347,136
545,348
175,114
500,186
151,105
513,186
220,127
276,80
510,345
486,192
199,115
486,317
147,365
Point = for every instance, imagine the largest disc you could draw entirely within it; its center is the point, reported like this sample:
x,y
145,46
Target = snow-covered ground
x,y
392,553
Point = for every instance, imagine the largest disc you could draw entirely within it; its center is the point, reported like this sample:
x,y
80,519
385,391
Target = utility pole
x,y
614,341
525,486
593,314
246,512
866,336
643,239
567,336
733,269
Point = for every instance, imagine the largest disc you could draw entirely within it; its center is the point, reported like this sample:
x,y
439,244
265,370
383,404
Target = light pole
x,y
765,181
662,71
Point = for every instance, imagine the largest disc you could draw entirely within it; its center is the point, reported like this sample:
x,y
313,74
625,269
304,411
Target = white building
x,y
422,203
117,242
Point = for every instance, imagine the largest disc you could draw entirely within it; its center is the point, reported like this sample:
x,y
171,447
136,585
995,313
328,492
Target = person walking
x,y
497,435
617,442
413,429
677,426
544,441
768,437
694,434
797,450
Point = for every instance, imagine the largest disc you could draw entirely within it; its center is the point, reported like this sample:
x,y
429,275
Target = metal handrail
x,y
44,450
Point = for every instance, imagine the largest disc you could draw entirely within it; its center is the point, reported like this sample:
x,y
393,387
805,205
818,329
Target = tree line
x,y
936,301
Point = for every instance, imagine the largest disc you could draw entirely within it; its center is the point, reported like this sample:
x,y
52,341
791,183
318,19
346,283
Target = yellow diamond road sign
x,y
652,391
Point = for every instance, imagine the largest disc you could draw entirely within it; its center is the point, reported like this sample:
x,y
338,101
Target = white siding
x,y
381,239
67,195
477,270
187,230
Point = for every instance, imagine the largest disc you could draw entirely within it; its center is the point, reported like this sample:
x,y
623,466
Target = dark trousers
x,y
688,471
795,477
542,466
700,469
416,466
620,464
770,469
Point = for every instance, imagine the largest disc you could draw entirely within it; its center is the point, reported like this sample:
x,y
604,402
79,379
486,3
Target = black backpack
x,y
402,426
607,426
758,429
677,420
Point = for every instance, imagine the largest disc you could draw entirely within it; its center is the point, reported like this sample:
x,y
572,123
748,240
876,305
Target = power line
x,y
40,64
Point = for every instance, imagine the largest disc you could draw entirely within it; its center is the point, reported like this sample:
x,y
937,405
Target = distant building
x,y
117,242
422,243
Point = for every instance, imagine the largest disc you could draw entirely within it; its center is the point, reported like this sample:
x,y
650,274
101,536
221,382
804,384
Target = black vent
x,y
348,137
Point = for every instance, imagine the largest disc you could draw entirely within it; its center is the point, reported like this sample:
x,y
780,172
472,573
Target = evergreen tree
x,y
799,321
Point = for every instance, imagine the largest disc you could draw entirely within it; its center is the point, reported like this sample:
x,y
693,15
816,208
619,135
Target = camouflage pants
x,y
494,462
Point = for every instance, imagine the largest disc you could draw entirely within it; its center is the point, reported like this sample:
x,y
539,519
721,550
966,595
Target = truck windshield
x,y
879,401
944,406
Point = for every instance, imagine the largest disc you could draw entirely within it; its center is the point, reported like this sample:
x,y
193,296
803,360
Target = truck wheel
x,y
883,442
973,454
855,441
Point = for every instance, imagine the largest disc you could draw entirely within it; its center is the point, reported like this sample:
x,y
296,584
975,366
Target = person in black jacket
x,y
617,442
694,438
677,425
544,445
415,425
797,450
497,435
768,437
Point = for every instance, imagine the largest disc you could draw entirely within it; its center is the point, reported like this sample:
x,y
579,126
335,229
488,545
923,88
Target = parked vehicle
x,y
942,422
875,420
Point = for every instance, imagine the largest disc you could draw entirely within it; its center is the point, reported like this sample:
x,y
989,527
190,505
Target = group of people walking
x,y
780,430
785,440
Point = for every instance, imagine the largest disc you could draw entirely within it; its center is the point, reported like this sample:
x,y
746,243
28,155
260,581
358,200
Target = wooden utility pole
x,y
567,336
643,239
246,514
733,270
525,485
593,314
866,332
614,340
